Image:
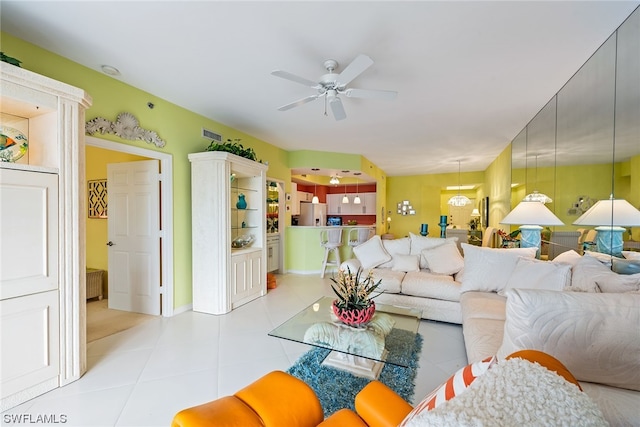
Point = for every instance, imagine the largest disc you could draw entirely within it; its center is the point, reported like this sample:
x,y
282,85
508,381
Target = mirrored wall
x,y
584,144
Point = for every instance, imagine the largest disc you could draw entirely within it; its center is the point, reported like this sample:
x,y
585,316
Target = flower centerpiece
x,y
354,305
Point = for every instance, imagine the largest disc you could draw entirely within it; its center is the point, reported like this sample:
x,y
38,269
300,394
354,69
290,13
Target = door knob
x,y
110,243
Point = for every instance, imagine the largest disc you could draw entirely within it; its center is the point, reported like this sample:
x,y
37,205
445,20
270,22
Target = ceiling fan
x,y
333,84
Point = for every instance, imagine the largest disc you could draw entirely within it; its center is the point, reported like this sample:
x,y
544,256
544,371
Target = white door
x,y
134,236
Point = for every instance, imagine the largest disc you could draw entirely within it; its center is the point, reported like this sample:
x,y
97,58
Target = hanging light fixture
x,y
459,200
536,196
345,199
356,200
315,199
334,180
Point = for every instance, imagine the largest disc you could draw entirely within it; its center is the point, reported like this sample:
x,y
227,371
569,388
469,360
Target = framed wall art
x,y
97,198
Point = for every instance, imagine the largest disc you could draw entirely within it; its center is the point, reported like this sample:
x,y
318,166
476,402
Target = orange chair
x,y
280,399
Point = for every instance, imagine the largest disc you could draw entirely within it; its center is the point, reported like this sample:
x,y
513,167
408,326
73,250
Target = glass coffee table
x,y
390,337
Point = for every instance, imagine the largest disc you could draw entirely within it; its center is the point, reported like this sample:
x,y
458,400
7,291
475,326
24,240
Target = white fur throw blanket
x,y
516,392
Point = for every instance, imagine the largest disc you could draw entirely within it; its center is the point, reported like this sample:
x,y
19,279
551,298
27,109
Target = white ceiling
x,y
469,75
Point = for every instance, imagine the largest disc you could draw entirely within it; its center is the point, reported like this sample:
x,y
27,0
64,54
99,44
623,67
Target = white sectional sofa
x,y
406,278
574,308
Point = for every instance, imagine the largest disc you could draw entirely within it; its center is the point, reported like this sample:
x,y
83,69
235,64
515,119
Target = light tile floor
x,y
143,376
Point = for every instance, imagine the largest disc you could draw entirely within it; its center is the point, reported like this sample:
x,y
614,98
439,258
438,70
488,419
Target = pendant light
x,y
315,199
345,199
459,200
356,200
537,196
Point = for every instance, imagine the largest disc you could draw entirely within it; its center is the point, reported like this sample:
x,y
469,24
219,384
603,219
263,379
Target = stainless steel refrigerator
x,y
311,214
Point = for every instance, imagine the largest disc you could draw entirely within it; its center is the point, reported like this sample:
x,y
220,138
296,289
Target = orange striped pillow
x,y
454,386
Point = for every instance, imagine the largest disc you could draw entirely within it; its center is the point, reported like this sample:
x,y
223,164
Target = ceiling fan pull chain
x,y
325,106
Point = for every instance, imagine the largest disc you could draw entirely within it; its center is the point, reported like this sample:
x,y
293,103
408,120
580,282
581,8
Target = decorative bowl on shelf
x,y
242,241
352,222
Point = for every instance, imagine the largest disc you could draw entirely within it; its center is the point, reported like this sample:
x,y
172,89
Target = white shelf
x,y
226,277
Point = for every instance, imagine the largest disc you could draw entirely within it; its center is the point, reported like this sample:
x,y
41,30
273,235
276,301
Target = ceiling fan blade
x,y
287,75
337,109
298,102
370,94
353,70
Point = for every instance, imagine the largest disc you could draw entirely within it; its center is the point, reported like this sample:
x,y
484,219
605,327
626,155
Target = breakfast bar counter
x,y
304,253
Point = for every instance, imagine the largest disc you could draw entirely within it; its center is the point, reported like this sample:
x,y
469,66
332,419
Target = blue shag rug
x,y
337,389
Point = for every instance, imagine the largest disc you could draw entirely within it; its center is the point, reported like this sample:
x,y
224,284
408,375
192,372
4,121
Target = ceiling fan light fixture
x,y
334,180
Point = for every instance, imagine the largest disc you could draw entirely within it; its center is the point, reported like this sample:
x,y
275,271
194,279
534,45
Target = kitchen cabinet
x,y
295,203
42,224
366,207
273,252
225,277
334,204
369,201
303,196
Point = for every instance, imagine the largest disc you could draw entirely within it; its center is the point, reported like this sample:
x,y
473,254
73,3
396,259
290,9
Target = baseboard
x,y
183,309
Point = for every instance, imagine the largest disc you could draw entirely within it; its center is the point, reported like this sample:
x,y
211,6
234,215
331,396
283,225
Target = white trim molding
x,y
166,208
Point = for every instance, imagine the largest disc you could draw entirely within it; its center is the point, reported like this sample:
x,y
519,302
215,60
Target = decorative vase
x,y
424,229
354,317
241,203
443,226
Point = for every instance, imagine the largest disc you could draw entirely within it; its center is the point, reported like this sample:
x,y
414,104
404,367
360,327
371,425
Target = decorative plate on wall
x,y
13,144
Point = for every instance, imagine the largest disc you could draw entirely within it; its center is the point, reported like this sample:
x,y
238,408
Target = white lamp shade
x,y
356,200
611,212
345,199
531,213
475,212
315,200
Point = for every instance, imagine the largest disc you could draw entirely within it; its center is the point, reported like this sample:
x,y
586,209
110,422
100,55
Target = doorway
x,y
165,213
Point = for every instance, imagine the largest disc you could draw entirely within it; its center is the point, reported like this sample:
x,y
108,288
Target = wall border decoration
x,y
126,126
97,201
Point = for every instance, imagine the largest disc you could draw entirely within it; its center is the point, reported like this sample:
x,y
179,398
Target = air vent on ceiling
x,y
211,135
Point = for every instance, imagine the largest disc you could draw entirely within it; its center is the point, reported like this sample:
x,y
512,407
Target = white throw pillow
x,y
371,253
534,274
444,259
603,258
405,263
594,335
568,257
590,275
395,247
419,243
488,269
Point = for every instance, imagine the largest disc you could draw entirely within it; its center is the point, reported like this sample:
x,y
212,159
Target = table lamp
x,y
531,216
609,217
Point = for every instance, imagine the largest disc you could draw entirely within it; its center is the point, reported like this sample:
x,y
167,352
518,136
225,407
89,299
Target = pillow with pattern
x,y
453,387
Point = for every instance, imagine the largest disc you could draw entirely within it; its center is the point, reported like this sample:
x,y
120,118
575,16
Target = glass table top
x,y
390,337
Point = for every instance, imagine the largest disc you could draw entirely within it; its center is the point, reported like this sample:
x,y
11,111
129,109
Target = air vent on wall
x,y
211,135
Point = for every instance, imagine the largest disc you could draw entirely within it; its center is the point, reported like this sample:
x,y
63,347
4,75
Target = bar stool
x,y
331,241
358,236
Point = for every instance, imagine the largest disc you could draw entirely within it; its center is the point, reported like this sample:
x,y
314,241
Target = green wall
x,y
181,130
424,192
179,127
